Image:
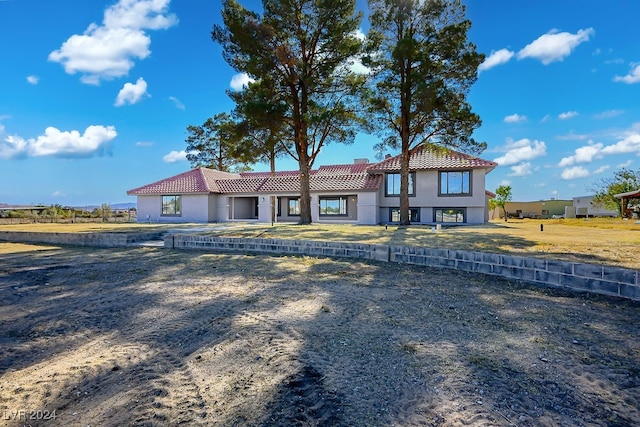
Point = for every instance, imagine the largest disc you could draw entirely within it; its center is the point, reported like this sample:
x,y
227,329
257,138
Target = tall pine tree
x,y
303,48
422,68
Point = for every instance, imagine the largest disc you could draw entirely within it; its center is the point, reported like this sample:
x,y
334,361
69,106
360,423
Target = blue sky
x,y
95,96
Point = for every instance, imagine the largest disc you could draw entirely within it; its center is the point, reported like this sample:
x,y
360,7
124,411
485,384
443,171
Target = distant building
x,y
540,209
584,206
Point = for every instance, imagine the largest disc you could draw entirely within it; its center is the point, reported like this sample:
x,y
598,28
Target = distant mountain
x,y
124,205
118,206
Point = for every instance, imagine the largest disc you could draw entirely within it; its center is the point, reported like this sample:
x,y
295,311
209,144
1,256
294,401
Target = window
x,y
171,205
450,215
394,215
294,207
392,186
455,183
336,206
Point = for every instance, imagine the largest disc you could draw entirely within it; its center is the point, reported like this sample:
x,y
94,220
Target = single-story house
x,y
444,188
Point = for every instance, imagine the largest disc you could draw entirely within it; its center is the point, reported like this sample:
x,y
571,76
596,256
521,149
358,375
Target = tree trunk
x,y
274,199
405,218
305,191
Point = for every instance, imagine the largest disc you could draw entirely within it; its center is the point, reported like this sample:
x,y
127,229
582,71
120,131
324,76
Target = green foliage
x,y
422,69
300,50
622,181
260,124
503,196
214,144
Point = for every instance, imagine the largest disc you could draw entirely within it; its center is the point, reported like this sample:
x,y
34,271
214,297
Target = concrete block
x,y
620,275
588,270
559,267
464,255
591,285
465,265
512,261
444,262
629,291
535,263
400,258
510,272
491,258
484,268
442,253
416,259
546,277
380,252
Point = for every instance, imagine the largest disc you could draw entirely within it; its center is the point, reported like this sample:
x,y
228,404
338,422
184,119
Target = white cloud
x,y
131,93
567,115
59,194
496,58
64,144
358,67
239,81
554,46
520,151
144,143
607,114
139,14
625,164
33,80
632,77
515,118
630,144
545,118
571,136
522,169
601,169
584,154
574,173
179,105
108,51
175,156
505,182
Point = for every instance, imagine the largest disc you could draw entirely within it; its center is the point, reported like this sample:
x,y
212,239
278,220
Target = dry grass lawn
x,y
608,241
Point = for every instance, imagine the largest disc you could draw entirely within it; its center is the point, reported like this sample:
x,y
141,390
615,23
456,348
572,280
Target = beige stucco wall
x,y
368,208
195,208
427,198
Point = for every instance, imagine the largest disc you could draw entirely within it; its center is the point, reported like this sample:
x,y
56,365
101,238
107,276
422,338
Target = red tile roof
x,y
291,183
350,177
199,180
424,159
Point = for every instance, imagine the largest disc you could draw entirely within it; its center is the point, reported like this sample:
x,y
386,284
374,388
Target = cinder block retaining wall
x,y
79,239
599,279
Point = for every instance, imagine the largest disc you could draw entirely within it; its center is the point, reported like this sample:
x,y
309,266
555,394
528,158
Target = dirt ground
x,y
152,337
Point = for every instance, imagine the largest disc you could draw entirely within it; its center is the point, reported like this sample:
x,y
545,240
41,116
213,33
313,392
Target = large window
x,y
333,206
394,215
172,205
392,186
455,183
294,207
450,215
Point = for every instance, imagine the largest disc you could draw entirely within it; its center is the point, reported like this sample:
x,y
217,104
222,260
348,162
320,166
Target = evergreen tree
x,y
422,68
303,49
